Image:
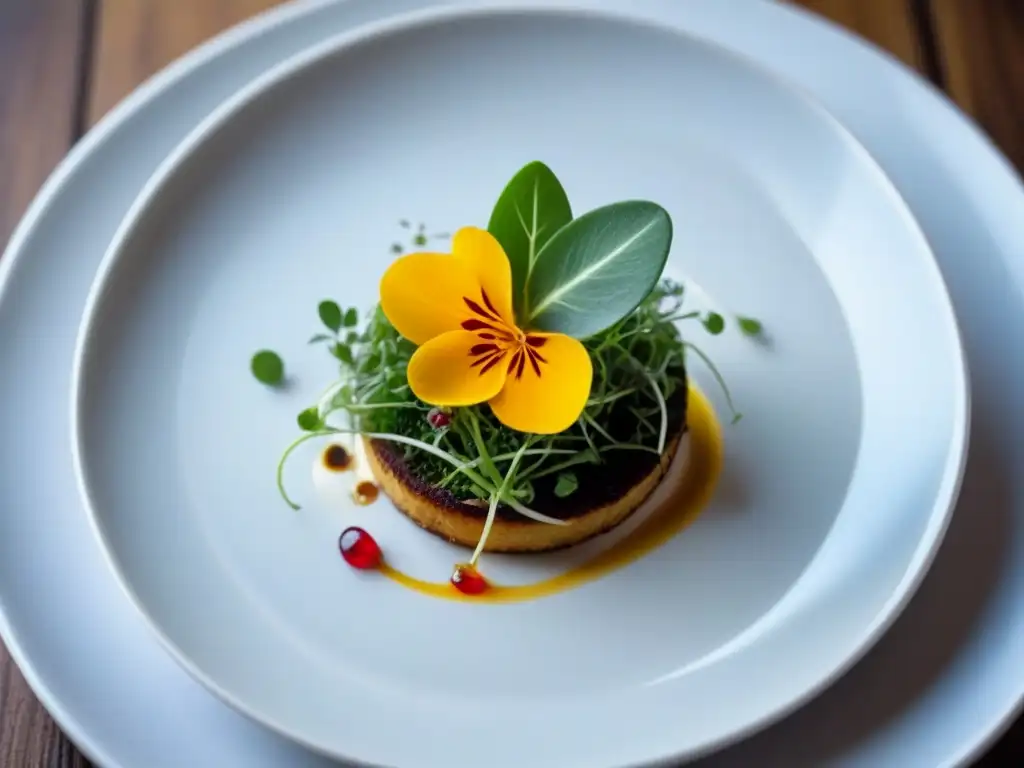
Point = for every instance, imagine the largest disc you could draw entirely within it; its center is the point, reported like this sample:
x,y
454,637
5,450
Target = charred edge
x,y
598,486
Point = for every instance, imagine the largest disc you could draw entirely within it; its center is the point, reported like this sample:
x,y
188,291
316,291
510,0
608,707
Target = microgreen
x,y
714,323
309,420
267,367
330,315
566,484
750,326
639,366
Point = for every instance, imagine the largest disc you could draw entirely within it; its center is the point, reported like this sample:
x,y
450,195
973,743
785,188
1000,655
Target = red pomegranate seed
x,y
438,419
359,548
468,580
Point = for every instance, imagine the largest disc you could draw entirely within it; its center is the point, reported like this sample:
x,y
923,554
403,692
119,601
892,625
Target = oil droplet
x,y
468,580
336,458
359,548
365,492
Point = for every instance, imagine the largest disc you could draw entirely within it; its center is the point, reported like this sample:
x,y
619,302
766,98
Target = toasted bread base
x,y
462,523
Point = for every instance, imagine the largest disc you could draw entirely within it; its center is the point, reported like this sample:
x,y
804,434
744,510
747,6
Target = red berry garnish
x,y
468,580
359,548
439,419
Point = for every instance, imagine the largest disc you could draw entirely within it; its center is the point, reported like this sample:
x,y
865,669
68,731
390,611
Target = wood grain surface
x,y
40,65
981,46
64,63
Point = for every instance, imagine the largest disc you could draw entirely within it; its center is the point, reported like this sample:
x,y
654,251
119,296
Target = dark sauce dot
x,y
365,492
337,458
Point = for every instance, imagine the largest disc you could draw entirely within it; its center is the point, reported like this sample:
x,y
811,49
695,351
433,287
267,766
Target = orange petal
x,y
552,401
457,368
422,294
485,257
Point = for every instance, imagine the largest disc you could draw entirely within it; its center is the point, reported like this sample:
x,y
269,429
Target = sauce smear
x,y
692,493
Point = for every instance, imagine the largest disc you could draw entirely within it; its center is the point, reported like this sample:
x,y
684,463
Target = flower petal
x,y
423,294
457,368
486,258
551,401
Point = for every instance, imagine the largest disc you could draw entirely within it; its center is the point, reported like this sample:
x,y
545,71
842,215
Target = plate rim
x,y
946,492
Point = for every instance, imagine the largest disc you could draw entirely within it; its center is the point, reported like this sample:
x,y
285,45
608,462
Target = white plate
x,y
903,705
838,483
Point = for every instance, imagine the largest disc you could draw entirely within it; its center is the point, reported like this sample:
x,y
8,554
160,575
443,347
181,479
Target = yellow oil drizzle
x,y
690,496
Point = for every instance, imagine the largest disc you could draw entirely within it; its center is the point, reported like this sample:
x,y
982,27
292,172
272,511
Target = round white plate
x,y
126,703
838,483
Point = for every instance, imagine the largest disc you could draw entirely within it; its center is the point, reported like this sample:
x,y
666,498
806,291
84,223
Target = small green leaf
x,y
526,493
532,207
396,248
351,337
351,318
343,352
598,268
370,363
420,239
750,326
267,367
330,315
714,323
566,484
309,420
320,337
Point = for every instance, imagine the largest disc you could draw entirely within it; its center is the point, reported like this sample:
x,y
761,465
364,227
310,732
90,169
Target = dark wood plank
x,y
40,47
981,49
39,52
889,24
137,38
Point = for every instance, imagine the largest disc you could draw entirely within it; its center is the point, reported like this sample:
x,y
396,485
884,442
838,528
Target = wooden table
x,y
64,63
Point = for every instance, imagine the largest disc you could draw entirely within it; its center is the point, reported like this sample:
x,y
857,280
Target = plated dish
x,y
933,726
181,283
523,394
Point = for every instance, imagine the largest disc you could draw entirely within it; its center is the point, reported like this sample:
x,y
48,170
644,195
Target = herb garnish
x,y
595,278
267,367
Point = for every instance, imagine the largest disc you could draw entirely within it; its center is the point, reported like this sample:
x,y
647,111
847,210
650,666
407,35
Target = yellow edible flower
x,y
457,309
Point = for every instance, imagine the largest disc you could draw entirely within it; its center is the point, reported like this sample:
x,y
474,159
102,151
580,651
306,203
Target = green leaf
x,y
309,420
532,207
351,318
598,268
320,337
267,367
343,352
330,315
714,323
750,326
566,484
